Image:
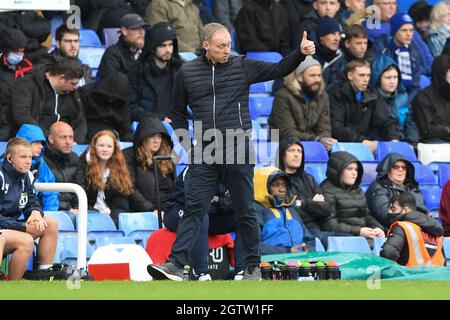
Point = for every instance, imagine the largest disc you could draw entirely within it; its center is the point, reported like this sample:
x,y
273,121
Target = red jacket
x,y
444,210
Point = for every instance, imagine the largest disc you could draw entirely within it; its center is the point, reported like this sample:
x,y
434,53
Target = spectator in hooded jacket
x,y
13,65
262,25
105,176
151,139
122,55
301,108
282,229
386,80
22,219
440,27
48,95
39,168
106,106
431,106
183,16
358,114
349,210
152,78
414,239
395,175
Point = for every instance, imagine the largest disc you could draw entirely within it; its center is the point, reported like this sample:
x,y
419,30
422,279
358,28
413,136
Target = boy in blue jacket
x,y
21,217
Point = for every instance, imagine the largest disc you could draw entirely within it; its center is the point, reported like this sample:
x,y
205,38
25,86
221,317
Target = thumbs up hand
x,y
307,47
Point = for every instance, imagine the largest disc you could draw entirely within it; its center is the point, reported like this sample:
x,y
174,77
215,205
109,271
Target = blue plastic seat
x,y
317,170
140,237
386,147
110,36
260,106
89,38
359,150
124,145
187,56
424,175
3,145
93,236
444,173
431,196
319,246
370,173
99,222
314,151
107,240
92,56
79,148
67,247
446,246
267,56
266,151
64,221
260,128
424,81
137,221
348,244
261,88
378,245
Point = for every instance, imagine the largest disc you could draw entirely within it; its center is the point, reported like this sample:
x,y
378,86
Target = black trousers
x,y
200,187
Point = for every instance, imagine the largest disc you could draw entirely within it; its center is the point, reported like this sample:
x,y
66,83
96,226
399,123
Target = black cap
x,y
12,39
420,11
132,21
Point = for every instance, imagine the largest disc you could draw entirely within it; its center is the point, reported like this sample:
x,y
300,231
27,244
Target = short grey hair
x,y
210,29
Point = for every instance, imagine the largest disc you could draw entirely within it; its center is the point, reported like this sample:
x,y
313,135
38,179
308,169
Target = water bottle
x,y
186,273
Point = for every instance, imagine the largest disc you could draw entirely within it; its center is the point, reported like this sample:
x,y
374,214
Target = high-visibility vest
x,y
418,254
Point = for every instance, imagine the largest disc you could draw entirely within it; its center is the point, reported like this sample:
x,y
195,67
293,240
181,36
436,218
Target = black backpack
x,y
57,272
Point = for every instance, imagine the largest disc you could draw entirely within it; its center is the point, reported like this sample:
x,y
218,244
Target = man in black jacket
x,y
63,163
48,94
414,239
152,78
121,56
222,82
21,216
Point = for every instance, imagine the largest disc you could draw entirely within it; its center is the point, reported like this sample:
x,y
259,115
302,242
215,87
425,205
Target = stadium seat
x,y
266,151
64,221
92,56
106,240
348,244
424,175
431,195
79,148
140,237
447,249
187,56
319,246
99,222
137,221
260,106
67,248
314,151
110,36
386,147
260,128
180,168
3,145
370,173
359,150
89,38
429,153
378,245
261,88
317,170
124,145
267,56
424,81
444,174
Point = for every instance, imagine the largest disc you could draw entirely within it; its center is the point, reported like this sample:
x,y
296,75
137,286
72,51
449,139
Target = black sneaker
x,y
165,271
252,273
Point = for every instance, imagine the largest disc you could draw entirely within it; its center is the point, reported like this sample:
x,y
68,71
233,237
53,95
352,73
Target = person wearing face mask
x,y
151,139
13,66
349,210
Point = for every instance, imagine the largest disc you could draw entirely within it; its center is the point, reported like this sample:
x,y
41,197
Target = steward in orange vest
x,y
414,239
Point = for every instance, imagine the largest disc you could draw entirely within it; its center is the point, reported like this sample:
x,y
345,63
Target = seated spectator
x,y
349,211
152,78
358,114
311,20
330,56
444,209
220,219
395,174
183,17
420,11
48,94
39,168
356,44
68,46
312,207
351,7
282,229
106,106
414,239
122,55
301,108
63,163
226,11
105,176
296,10
404,52
386,80
440,27
151,139
112,13
13,65
22,218
431,106
262,25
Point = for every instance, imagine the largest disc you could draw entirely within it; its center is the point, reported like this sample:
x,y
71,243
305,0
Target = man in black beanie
x,y
420,11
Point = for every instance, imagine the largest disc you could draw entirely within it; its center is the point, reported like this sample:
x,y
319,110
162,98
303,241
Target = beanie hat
x,y
12,39
308,62
326,26
420,11
398,20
